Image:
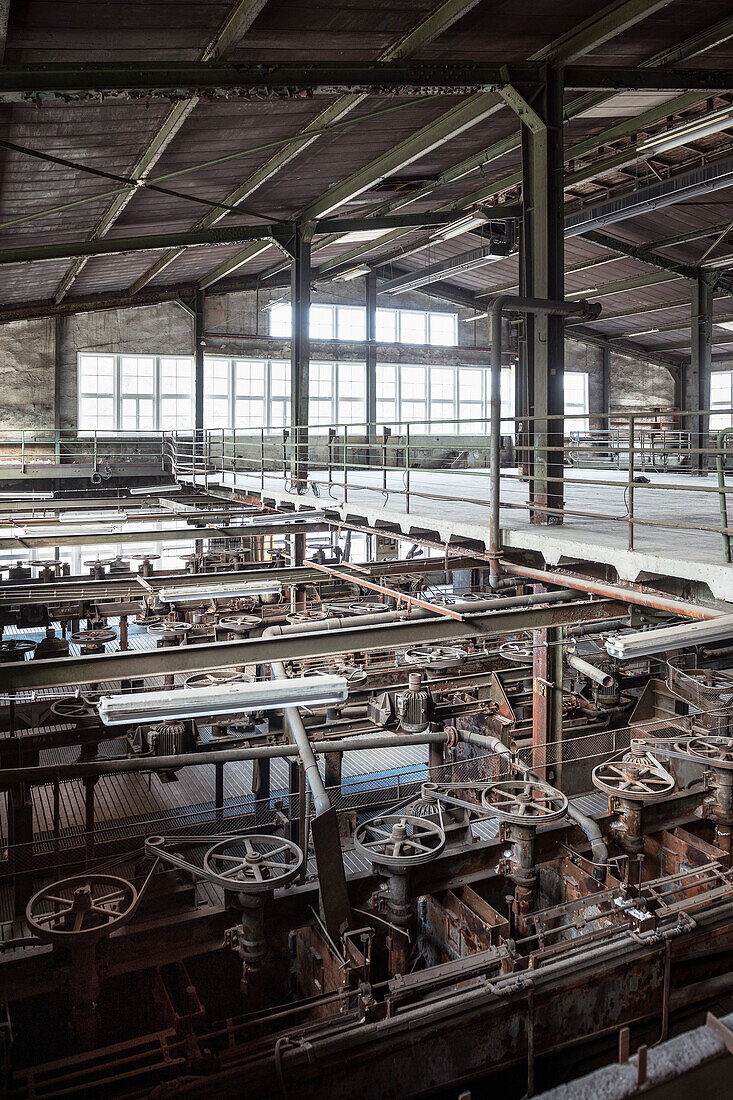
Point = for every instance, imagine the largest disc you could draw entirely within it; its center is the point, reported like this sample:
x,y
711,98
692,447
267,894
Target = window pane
x,y
216,412
96,413
280,319
470,384
280,378
386,383
96,373
280,414
249,412
443,328
412,380
321,322
576,401
249,375
216,377
351,323
442,383
412,326
387,326
176,412
321,380
351,380
137,373
176,375
386,412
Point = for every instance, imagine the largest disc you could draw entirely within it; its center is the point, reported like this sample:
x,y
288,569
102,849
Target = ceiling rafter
x,y
238,21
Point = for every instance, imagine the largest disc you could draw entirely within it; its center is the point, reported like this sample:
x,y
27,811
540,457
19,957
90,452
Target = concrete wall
x,y
27,374
237,324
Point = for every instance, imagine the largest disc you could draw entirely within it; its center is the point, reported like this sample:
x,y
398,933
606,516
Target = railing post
x,y
262,458
346,467
22,450
631,483
407,468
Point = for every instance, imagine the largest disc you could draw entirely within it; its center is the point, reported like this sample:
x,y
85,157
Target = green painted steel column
x,y
371,360
542,276
198,341
300,293
696,376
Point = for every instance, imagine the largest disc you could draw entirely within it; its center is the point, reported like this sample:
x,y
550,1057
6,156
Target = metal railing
x,y
640,472
24,449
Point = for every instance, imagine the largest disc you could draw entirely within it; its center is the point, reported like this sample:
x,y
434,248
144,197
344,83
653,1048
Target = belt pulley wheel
x,y
215,679
524,801
254,864
637,776
399,841
81,908
93,637
169,630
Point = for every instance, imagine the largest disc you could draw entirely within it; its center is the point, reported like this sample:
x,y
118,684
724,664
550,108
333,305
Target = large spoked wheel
x,y
215,679
239,624
399,841
80,909
637,776
524,801
253,864
520,653
718,749
435,656
93,637
314,616
15,648
75,708
169,630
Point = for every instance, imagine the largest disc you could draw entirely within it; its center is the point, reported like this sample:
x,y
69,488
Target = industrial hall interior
x,y
366,564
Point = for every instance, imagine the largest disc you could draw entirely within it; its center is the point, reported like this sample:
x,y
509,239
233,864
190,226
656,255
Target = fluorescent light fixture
x,y
644,643
457,228
689,131
352,273
281,520
220,591
236,698
92,517
145,490
26,496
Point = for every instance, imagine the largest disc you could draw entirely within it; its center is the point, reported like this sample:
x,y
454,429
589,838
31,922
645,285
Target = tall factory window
x,y
351,393
394,326
135,393
576,402
721,397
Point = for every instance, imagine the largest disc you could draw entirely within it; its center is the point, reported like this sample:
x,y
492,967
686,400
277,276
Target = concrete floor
x,y
453,504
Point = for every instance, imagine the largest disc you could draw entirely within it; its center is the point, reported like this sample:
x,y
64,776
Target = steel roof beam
x,y
80,82
238,21
4,17
426,31
690,47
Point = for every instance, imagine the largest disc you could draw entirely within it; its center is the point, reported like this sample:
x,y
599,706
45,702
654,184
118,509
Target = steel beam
x,y
696,374
218,80
646,254
292,647
542,276
300,297
425,31
199,329
465,261
238,21
370,295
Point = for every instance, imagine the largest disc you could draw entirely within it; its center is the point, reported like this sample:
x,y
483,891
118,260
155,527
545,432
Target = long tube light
x,y
688,131
220,591
150,490
457,228
26,496
157,706
352,273
644,643
281,520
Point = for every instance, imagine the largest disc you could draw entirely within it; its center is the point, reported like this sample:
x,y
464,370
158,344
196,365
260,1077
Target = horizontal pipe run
x,y
591,672
667,604
49,773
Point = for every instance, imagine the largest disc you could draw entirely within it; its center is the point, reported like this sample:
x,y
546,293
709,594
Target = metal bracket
x,y
521,108
720,1029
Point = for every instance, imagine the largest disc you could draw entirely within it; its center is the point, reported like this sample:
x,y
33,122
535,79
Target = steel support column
x,y
371,357
542,276
696,375
300,295
199,343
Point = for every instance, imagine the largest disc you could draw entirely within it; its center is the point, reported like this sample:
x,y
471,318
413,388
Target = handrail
x,y
720,468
